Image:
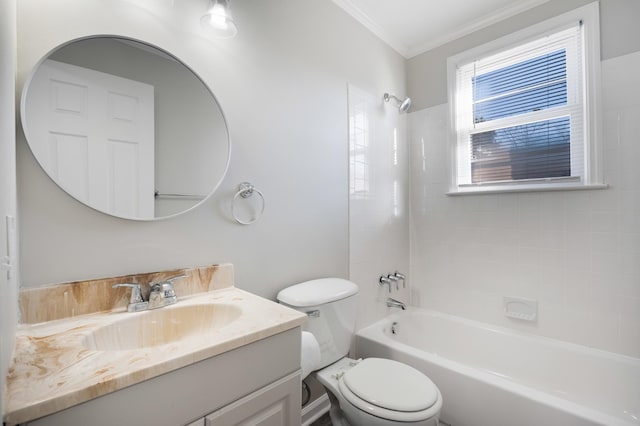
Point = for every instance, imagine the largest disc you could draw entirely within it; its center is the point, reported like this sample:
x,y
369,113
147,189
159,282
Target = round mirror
x,y
125,128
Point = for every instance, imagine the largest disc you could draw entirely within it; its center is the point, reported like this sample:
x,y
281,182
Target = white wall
x,y
577,253
282,83
8,287
378,200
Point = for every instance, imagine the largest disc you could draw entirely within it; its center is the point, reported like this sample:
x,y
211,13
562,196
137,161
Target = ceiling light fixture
x,y
218,20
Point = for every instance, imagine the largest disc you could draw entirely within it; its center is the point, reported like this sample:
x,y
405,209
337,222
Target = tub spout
x,y
396,303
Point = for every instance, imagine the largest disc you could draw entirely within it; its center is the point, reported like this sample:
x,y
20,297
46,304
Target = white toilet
x,y
369,392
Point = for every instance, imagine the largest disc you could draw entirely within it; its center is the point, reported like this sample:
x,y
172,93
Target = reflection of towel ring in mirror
x,y
246,190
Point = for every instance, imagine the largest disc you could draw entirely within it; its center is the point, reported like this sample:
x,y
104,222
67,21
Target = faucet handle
x,y
395,280
402,277
384,280
166,285
169,280
136,291
163,293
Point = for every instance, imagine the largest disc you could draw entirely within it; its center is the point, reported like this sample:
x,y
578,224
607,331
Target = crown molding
x,y
374,27
411,51
483,22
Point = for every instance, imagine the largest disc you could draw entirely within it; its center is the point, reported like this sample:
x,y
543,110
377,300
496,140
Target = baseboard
x,y
315,409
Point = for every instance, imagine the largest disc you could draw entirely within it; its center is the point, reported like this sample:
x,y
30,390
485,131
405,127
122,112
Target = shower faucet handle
x,y
402,277
385,280
395,280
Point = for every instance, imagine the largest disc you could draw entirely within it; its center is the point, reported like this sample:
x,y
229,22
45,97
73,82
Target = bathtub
x,y
493,376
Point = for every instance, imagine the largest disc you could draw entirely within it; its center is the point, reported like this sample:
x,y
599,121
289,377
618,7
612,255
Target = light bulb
x,y
218,20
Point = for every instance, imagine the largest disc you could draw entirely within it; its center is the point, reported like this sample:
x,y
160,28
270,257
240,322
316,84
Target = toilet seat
x,y
390,390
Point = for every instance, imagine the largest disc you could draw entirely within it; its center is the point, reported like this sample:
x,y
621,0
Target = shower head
x,y
403,104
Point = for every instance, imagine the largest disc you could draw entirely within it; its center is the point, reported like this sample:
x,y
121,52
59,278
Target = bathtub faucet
x,y
393,303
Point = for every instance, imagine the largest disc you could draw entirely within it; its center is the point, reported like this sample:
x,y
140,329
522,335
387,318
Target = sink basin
x,y
162,326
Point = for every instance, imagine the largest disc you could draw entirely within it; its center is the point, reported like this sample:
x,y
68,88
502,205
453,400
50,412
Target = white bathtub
x,y
492,376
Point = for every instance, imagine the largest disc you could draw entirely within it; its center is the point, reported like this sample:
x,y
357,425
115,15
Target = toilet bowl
x,y
368,392
380,392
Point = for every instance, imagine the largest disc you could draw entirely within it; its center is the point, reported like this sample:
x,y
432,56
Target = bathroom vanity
x,y
103,368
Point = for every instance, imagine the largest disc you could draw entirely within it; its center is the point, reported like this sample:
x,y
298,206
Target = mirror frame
x,y
22,110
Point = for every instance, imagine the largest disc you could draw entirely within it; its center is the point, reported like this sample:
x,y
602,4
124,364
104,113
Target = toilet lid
x,y
391,385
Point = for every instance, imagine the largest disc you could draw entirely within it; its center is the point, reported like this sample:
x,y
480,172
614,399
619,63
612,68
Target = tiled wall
x,y
576,252
378,201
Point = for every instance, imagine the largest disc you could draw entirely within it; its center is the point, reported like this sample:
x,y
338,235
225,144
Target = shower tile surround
x,y
576,252
378,201
53,369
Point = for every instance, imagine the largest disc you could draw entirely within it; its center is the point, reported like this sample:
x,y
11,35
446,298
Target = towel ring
x,y
246,190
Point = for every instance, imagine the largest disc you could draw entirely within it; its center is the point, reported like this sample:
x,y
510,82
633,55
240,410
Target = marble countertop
x,y
54,368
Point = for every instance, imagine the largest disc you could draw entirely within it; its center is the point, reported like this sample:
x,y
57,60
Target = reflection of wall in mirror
x,y
190,157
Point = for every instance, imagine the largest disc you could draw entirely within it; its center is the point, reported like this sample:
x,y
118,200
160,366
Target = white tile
x,y
607,242
604,221
577,202
530,238
604,200
577,252
529,256
552,239
554,259
577,289
610,130
630,339
551,287
630,287
630,243
578,222
630,263
618,89
629,214
591,329
529,211
553,212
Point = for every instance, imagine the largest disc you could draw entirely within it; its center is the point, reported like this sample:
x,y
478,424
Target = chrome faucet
x,y
162,294
393,303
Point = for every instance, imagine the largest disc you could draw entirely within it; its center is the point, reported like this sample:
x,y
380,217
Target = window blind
x,y
520,113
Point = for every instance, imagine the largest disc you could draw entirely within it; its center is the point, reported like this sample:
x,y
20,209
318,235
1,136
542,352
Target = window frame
x,y
592,175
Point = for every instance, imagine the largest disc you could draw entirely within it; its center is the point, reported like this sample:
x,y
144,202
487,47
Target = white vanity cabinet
x,y
255,384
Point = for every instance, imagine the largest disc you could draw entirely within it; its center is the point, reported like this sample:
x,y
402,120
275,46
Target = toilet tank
x,y
330,304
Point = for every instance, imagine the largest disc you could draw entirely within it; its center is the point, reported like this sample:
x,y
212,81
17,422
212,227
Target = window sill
x,y
528,188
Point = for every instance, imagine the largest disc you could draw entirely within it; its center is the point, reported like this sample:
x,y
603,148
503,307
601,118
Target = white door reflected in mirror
x,y
94,132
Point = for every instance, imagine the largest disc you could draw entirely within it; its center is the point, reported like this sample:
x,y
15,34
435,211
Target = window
x,y
523,109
